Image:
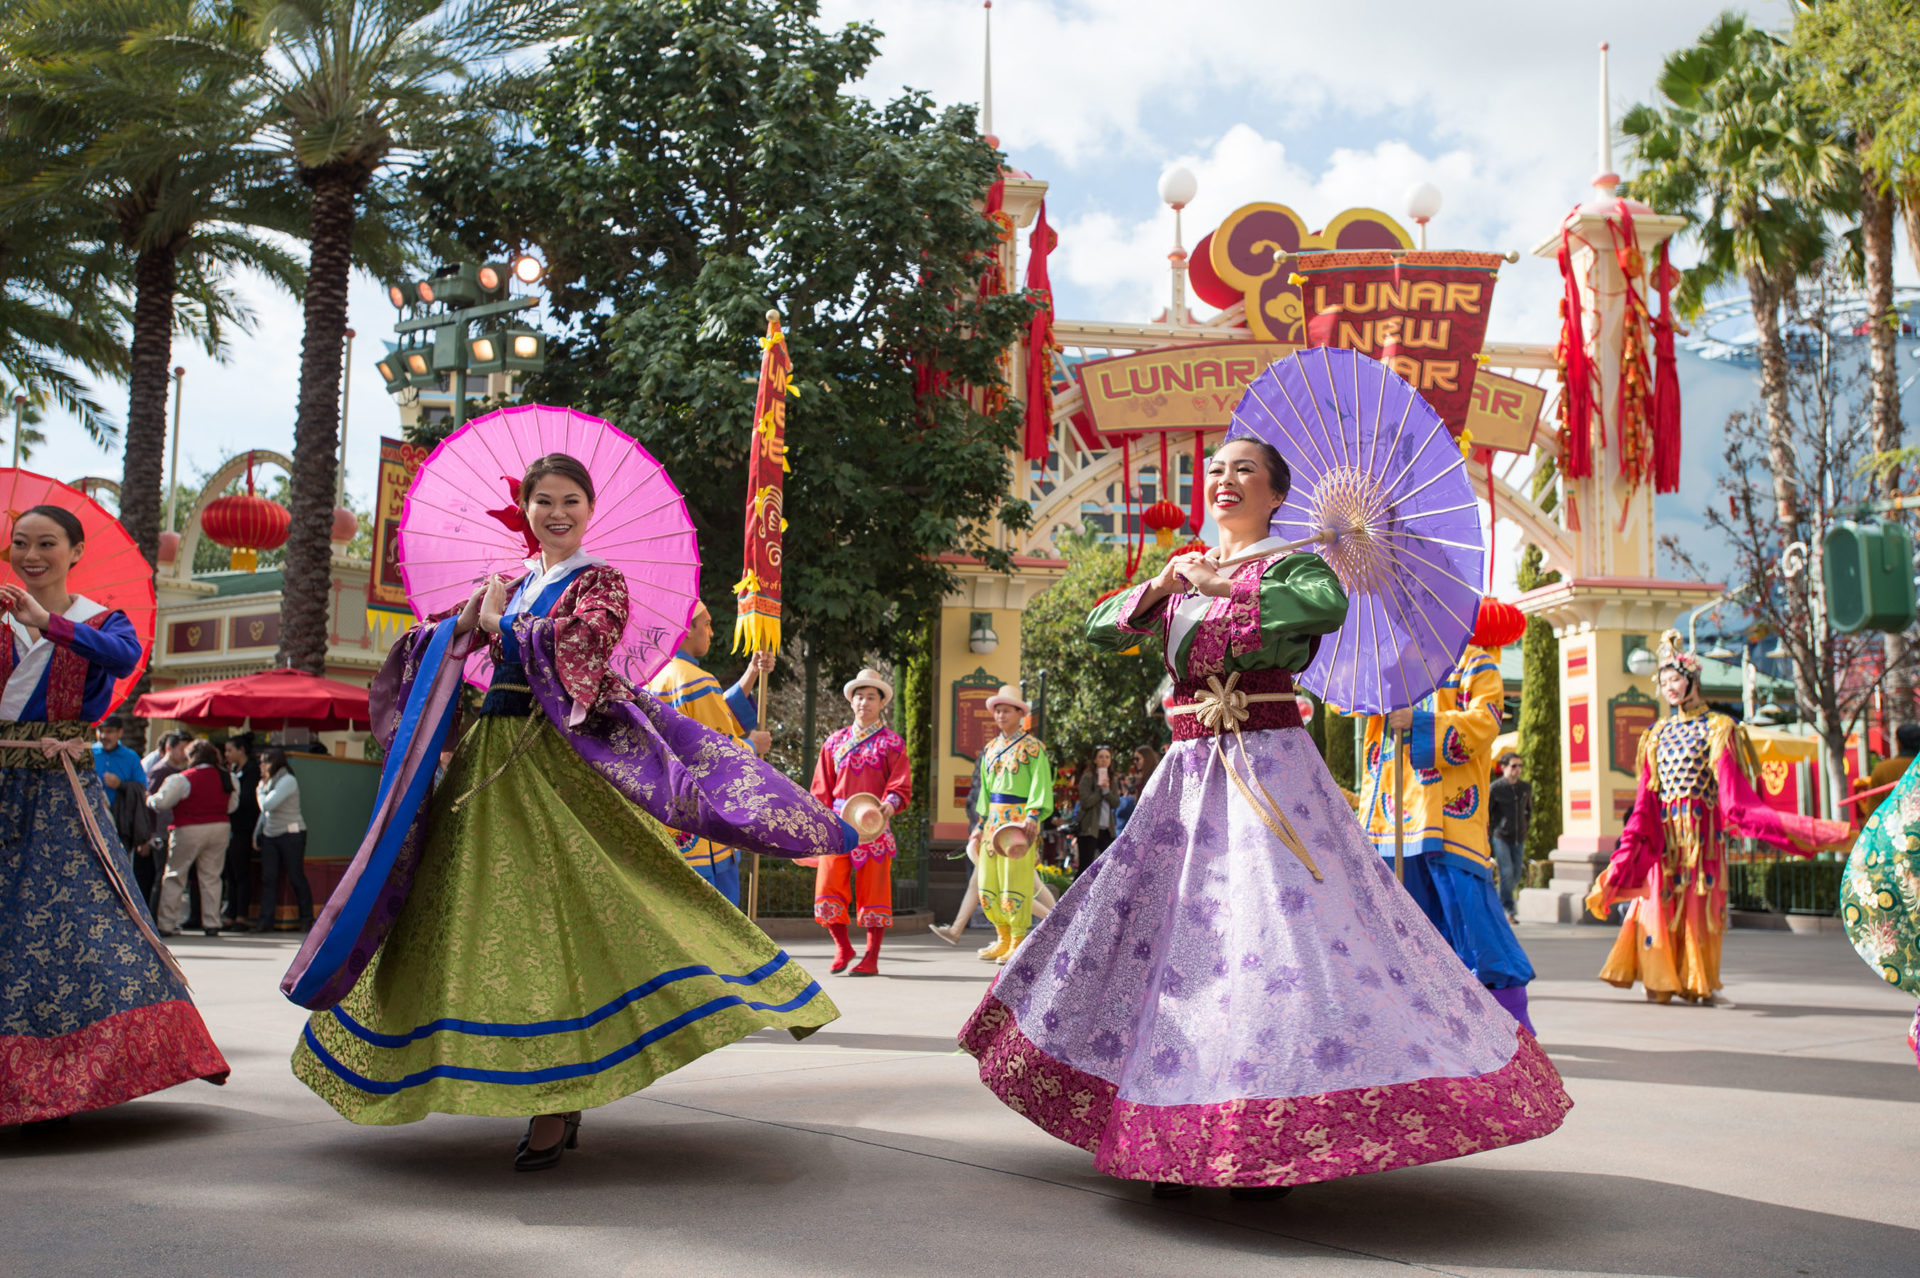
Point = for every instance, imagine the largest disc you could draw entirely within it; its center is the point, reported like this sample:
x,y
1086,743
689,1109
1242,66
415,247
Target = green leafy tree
x,y
353,90
1539,731
690,164
1094,697
157,139
1729,149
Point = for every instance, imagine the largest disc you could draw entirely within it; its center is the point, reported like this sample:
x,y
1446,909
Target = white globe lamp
x,y
1423,205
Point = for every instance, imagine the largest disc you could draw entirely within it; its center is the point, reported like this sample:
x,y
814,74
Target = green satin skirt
x,y
555,953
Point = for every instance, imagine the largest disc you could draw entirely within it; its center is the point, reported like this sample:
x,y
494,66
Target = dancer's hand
x,y
493,604
762,741
1400,720
25,608
1203,575
470,615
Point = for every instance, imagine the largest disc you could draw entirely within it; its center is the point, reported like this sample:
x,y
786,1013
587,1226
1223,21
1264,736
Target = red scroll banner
x,y
756,628
1424,315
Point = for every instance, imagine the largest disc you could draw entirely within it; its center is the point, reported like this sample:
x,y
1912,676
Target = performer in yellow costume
x,y
698,695
1016,789
1696,791
1448,858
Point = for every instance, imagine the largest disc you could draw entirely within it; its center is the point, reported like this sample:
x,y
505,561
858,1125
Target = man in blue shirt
x,y
116,763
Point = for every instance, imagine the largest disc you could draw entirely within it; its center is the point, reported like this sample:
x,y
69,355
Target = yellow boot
x,y
1012,945
1001,947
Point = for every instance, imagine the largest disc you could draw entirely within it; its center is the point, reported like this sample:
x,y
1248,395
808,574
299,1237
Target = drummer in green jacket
x,y
1016,795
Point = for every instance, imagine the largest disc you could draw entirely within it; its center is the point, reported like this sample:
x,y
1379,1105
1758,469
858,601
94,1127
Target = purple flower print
x,y
1419,1055
1201,910
1400,927
1219,968
1172,981
1122,907
1250,962
1105,1045
1360,1021
1458,1028
1470,998
1062,964
1339,947
1332,1053
1421,1005
1166,1062
1397,976
1143,950
1026,971
1245,1073
1302,811
1368,977
1285,979
1293,900
1051,1020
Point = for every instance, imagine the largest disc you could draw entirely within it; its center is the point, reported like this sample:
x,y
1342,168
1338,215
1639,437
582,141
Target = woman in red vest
x,y
201,798
94,1010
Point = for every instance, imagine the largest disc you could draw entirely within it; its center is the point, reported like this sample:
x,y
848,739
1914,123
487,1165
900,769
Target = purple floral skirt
x,y
1199,1009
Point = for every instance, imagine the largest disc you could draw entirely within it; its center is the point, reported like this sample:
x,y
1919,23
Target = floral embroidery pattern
x,y
1464,804
1452,751
1283,1141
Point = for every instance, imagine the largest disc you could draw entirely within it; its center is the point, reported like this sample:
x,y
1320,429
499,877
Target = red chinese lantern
x,y
246,525
1165,519
1498,624
1194,547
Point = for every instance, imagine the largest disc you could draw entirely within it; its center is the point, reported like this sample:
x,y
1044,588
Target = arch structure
x,y
1084,481
230,470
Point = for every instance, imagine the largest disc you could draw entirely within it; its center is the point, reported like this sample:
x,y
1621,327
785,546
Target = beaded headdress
x,y
1672,655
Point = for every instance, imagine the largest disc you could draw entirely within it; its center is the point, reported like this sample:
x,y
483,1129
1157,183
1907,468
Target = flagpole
x,y
757,623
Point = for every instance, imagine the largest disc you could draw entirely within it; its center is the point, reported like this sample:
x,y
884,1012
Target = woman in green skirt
x,y
522,938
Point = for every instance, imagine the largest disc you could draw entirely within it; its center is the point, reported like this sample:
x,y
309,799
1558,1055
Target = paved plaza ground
x,y
1778,1134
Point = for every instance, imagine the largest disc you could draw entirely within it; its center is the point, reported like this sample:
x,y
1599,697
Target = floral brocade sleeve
x,y
584,628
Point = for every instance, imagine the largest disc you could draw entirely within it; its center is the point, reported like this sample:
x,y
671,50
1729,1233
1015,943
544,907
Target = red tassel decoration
x,y
1038,435
1666,385
1576,390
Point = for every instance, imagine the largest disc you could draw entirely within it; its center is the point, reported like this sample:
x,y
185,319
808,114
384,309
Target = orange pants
x,y
1684,961
865,892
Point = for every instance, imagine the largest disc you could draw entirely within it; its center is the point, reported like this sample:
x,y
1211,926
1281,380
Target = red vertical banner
x,y
1424,315
1579,734
757,624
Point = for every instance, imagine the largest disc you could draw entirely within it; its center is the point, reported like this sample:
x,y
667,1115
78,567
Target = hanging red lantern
x,y
1498,624
246,524
1165,519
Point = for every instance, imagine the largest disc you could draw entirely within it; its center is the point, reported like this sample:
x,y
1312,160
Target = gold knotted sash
x,y
1221,708
66,752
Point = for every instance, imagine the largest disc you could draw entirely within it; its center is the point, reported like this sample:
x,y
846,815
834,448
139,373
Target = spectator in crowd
x,y
281,837
1099,797
1509,813
170,758
201,801
244,769
126,784
1145,760
1906,739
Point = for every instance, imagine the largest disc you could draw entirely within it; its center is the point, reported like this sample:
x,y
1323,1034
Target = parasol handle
x,y
760,701
1401,740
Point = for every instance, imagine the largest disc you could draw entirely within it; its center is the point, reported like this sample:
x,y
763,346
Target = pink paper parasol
x,y
450,539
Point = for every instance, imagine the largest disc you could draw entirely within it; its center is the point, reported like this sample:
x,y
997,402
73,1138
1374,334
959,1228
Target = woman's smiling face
x,y
1239,490
40,553
558,511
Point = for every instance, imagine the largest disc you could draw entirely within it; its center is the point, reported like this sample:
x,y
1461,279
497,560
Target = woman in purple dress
x,y
1238,993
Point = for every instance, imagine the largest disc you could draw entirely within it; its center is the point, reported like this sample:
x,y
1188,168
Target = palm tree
x,y
1729,150
356,88
161,150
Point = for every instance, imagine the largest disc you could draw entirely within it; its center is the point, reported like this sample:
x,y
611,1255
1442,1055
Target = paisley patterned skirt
x,y
555,953
89,1016
1199,1009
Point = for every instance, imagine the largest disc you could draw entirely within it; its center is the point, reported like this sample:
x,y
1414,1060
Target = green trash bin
x,y
1869,576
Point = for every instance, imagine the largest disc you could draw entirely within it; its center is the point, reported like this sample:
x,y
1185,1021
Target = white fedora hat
x,y
1009,696
868,678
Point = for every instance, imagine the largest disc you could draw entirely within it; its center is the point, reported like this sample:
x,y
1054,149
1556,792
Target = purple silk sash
x,y
681,773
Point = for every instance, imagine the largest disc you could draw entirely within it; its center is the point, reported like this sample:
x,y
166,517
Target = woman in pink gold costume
x,y
1237,993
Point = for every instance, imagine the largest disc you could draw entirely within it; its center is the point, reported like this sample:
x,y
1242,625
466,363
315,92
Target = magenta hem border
x,y
1290,1141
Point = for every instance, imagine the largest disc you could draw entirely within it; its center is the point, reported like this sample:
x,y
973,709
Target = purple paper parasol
x,y
1381,492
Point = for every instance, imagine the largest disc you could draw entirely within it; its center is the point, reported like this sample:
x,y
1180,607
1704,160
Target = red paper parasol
x,y
111,572
291,698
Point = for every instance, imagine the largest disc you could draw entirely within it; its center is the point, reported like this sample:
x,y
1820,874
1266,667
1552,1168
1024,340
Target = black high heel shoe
x,y
528,1159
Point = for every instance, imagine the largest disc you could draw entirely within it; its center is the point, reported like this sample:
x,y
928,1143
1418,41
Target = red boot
x,y
869,964
842,947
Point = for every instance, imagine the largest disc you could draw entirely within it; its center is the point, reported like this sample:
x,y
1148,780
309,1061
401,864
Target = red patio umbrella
x,y
290,698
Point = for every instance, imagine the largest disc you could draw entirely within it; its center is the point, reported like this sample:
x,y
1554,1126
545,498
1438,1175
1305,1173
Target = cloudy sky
x,y
1320,107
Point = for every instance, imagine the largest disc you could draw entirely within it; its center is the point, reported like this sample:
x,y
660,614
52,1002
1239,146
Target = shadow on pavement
x,y
118,1128
1745,1071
